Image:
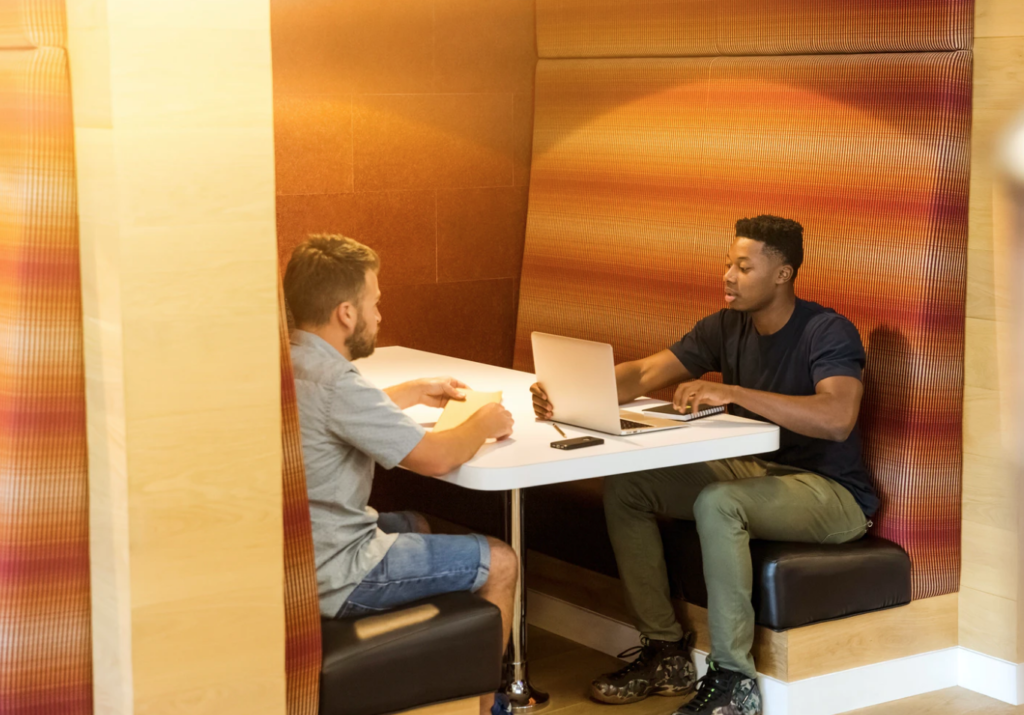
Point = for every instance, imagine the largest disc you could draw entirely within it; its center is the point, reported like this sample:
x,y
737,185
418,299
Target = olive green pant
x,y
732,501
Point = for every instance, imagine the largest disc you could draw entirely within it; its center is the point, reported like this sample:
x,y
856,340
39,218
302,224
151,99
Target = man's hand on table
x,y
541,407
494,421
697,393
429,391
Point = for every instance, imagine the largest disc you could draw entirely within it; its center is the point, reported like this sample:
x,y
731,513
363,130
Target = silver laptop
x,y
579,378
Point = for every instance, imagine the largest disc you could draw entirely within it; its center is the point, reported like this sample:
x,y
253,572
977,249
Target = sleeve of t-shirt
x,y
700,350
836,350
365,417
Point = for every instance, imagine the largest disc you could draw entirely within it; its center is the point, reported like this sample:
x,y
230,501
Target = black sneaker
x,y
724,692
661,668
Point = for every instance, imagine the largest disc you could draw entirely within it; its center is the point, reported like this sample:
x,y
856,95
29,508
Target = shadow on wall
x,y
885,411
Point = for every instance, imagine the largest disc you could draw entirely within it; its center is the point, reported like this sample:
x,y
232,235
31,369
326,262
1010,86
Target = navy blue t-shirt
x,y
815,343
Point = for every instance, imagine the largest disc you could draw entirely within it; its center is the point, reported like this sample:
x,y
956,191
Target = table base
x,y
523,696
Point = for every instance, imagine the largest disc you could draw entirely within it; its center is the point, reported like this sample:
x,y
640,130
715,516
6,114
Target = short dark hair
x,y
782,236
323,273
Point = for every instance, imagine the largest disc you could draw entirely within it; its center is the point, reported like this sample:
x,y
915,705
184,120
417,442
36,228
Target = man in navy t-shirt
x,y
784,360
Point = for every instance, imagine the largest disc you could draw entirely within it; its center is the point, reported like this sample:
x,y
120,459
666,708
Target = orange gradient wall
x,y
408,125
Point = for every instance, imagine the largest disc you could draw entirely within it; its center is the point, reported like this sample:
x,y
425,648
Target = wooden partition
x,y
175,162
991,594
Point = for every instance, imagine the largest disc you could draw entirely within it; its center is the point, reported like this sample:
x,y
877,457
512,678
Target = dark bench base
x,y
438,649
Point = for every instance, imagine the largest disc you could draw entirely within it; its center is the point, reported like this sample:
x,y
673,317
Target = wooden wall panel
x,y
408,126
990,593
178,244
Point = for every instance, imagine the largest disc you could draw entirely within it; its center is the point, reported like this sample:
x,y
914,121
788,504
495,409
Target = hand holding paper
x,y
455,413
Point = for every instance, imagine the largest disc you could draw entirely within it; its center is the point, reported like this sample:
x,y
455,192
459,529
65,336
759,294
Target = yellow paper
x,y
455,412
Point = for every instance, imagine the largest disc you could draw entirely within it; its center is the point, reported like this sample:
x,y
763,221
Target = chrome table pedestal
x,y
524,697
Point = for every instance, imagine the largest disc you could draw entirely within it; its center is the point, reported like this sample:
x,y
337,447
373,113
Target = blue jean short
x,y
419,566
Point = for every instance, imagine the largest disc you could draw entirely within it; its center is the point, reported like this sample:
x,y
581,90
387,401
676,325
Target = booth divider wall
x,y
45,642
642,165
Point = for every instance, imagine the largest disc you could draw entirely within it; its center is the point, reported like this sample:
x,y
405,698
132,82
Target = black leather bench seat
x,y
799,584
442,648
794,584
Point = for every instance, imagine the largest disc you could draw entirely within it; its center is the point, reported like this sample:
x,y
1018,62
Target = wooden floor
x,y
564,669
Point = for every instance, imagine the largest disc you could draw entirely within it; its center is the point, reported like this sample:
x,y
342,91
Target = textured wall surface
x,y
642,166
303,652
663,28
407,125
45,644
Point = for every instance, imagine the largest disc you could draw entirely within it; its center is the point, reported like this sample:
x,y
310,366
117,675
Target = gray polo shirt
x,y
347,424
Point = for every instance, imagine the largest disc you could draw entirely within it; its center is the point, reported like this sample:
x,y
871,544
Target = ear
x,y
785,274
347,317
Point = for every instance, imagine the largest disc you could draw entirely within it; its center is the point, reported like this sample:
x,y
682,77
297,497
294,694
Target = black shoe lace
x,y
643,652
708,688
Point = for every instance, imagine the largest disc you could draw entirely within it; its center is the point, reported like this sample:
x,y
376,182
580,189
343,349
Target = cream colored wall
x,y
991,597
175,160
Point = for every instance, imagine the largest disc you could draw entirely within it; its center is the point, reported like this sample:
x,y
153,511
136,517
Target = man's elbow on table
x,y
439,453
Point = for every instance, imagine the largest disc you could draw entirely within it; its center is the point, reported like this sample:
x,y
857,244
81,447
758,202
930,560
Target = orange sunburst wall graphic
x,y
642,167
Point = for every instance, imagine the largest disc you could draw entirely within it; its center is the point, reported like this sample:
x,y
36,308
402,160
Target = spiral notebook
x,y
671,413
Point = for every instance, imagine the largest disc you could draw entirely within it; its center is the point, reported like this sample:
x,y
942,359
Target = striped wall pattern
x,y
301,602
677,28
33,23
45,646
642,166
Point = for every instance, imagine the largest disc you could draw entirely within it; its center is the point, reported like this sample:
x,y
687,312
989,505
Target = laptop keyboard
x,y
630,424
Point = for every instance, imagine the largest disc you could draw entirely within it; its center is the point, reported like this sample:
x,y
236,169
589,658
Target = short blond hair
x,y
324,272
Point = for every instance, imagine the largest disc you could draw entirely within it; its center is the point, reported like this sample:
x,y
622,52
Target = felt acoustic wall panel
x,y
32,23
45,647
664,28
301,602
642,166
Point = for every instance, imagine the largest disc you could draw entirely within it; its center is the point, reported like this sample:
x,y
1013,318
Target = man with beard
x,y
368,562
782,359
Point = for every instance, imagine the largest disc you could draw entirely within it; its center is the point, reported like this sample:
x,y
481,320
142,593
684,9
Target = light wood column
x,y
175,162
991,598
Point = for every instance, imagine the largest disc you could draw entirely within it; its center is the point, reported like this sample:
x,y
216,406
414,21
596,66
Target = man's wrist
x,y
735,394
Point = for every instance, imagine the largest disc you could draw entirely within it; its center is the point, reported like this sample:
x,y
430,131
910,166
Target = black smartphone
x,y
577,442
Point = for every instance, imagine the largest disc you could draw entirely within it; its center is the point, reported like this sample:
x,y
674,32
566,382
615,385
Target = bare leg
x,y
500,590
419,522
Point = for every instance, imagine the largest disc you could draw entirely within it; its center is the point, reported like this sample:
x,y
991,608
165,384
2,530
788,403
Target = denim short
x,y
419,566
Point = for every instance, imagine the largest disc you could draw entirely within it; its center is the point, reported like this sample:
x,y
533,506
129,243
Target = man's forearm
x,y
627,381
818,416
404,395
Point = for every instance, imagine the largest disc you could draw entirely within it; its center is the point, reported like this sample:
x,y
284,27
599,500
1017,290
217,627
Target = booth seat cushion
x,y
798,584
442,648
794,584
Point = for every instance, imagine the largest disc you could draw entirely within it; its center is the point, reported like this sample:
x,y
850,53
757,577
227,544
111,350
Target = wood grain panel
x,y
466,706
923,626
179,257
992,537
988,624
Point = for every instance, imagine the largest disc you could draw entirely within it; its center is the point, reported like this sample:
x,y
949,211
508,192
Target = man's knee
x,y
419,522
504,562
625,490
717,501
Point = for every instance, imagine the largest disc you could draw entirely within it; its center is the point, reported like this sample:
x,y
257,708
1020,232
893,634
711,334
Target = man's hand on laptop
x,y
696,394
495,421
541,407
436,391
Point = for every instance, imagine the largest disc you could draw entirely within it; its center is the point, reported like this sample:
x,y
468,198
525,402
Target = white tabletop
x,y
526,459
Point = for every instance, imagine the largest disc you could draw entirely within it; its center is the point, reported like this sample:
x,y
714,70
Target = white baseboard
x,y
994,677
822,695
